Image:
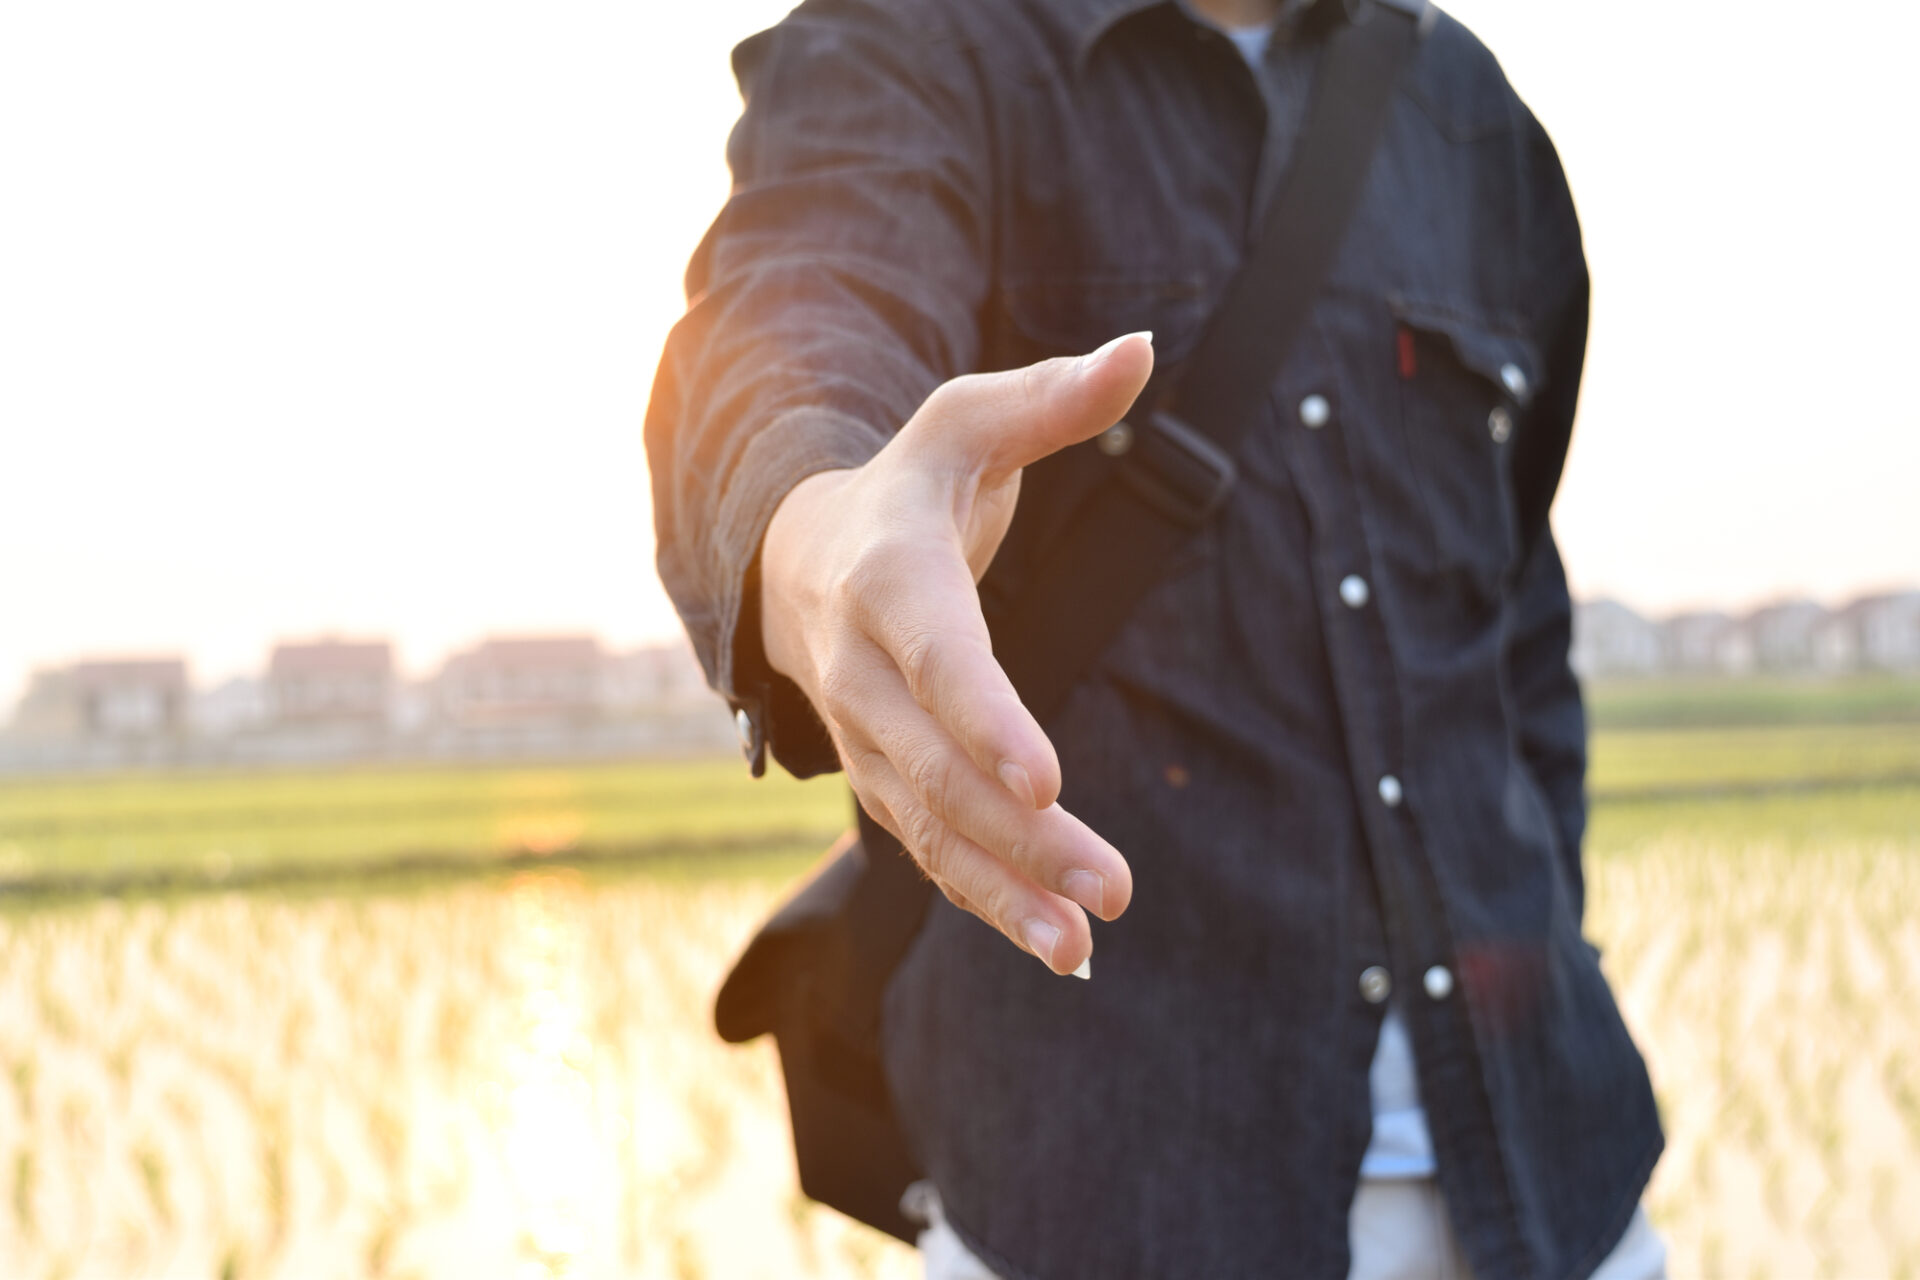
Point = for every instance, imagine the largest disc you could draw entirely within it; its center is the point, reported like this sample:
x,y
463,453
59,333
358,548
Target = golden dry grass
x,y
509,1078
516,1078
1777,997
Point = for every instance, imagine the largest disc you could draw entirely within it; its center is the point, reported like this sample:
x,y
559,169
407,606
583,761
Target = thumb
x,y
997,423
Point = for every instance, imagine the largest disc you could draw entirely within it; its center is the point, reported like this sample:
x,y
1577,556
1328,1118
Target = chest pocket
x,y
1464,389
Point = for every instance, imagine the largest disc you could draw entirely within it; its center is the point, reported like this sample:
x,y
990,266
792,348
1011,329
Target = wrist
x,y
791,545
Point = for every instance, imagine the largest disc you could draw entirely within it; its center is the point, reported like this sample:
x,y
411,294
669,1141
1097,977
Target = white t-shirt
x,y
1252,42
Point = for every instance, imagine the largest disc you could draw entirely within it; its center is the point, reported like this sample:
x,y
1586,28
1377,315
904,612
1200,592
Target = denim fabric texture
x,y
1341,733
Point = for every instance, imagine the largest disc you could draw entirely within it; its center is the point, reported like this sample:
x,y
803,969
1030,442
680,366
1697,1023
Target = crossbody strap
x,y
1164,472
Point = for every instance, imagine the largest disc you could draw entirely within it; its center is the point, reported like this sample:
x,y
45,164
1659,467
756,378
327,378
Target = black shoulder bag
x,y
815,973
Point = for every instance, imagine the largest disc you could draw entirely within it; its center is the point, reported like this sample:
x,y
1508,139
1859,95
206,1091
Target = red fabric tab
x,y
1409,363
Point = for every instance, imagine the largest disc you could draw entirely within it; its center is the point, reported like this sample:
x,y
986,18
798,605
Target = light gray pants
x,y
1398,1230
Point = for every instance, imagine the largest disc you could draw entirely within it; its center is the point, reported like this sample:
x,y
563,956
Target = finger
x,y
963,902
1044,924
879,812
1050,847
996,423
927,621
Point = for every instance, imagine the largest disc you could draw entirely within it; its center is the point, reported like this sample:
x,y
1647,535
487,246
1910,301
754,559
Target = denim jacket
x,y
1339,741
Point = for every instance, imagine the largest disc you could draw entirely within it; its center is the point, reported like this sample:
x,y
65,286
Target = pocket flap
x,y
1505,359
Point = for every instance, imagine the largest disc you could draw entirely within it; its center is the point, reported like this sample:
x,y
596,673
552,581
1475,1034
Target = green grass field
x,y
1675,701
223,825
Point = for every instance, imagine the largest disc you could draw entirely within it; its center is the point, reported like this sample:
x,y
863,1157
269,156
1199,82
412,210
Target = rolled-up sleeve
x,y
839,286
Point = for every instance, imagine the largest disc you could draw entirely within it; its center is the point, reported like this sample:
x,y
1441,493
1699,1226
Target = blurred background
x,y
370,849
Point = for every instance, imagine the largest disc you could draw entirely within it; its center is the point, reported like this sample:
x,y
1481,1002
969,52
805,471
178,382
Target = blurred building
x,y
566,696
1708,641
1611,639
139,700
233,707
1783,634
330,682
1890,631
1879,632
521,681
659,679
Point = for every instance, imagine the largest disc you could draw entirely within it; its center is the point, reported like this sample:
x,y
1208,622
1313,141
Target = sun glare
x,y
558,1156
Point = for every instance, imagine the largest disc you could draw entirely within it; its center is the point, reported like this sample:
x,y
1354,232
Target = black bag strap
x,y
1178,454
1167,471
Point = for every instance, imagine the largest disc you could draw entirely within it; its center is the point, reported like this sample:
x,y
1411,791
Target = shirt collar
x,y
1090,20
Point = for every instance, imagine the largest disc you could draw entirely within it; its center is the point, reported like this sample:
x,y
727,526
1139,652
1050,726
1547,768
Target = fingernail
x,y
1086,888
1085,971
1041,938
1110,347
1014,778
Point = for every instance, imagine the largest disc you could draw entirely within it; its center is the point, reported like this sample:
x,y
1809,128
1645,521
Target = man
x,y
1330,770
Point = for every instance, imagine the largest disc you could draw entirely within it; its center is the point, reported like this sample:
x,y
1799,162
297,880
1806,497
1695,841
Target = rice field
x,y
510,1072
501,1078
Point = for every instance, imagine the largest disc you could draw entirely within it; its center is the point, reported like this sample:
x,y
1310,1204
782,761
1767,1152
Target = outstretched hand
x,y
869,603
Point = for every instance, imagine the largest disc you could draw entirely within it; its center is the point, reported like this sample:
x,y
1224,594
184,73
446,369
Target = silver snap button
x,y
1500,423
1116,439
1438,981
1515,380
1354,592
1376,984
1390,792
1315,412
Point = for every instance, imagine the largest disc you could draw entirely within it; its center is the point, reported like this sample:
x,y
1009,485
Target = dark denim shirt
x,y
1340,735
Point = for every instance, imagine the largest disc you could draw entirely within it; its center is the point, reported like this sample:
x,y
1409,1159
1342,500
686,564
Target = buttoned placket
x,y
1366,684
1284,81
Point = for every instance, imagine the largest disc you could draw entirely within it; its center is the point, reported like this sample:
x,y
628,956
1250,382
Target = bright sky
x,y
340,317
